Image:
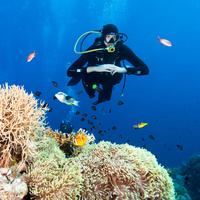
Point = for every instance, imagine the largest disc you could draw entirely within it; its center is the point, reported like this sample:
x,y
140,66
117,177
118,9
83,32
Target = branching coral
x,y
21,121
59,137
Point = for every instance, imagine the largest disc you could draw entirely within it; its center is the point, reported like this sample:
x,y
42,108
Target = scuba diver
x,y
66,127
103,64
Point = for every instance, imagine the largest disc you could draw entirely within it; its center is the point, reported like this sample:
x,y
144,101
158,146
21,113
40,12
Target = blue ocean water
x,y
168,98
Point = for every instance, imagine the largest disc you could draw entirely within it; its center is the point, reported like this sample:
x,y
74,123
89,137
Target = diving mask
x,y
111,38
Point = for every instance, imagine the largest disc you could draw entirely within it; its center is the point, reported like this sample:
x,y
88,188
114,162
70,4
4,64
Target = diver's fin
x,y
101,98
95,103
74,81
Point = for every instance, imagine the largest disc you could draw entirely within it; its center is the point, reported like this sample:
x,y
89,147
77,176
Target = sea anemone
x,y
113,171
52,176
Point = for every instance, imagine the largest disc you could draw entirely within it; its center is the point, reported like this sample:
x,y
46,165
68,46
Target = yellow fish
x,y
80,140
140,125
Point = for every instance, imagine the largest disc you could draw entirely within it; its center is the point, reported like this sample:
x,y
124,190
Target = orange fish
x,y
95,127
120,103
94,108
80,140
170,171
31,56
89,122
55,84
79,92
164,42
152,137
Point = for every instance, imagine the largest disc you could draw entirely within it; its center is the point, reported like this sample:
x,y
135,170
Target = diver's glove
x,y
117,69
101,68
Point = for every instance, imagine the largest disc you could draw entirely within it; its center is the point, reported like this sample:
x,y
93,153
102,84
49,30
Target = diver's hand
x,y
101,68
117,69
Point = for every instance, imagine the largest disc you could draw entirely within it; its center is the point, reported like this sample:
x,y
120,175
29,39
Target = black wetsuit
x,y
122,52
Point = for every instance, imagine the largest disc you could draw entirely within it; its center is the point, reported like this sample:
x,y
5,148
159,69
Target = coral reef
x,y
59,137
21,124
66,141
50,177
113,171
12,190
191,174
93,171
181,193
187,179
98,171
21,121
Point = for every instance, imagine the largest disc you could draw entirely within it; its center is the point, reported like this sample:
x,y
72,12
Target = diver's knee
x,y
92,96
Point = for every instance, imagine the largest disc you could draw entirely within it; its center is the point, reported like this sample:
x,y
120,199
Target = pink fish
x,y
164,42
31,56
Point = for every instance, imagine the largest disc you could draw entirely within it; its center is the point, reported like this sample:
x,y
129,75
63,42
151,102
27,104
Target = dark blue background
x,y
168,98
